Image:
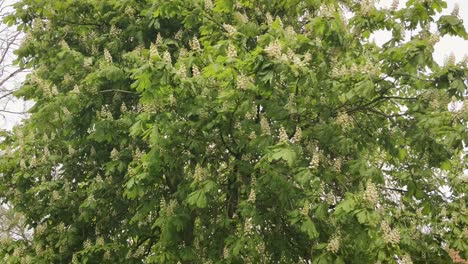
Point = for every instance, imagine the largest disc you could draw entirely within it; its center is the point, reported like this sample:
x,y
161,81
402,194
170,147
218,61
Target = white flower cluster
x,y
195,71
395,5
305,209
231,51
456,10
344,120
199,174
248,226
178,35
367,6
337,164
105,113
252,196
274,49
334,243
434,39
154,50
406,259
129,11
159,39
208,4
243,82
64,45
326,11
389,235
265,126
230,29
269,19
283,135
372,69
371,195
195,44
182,72
241,17
114,155
115,31
297,135
315,161
107,56
167,57
450,60
183,53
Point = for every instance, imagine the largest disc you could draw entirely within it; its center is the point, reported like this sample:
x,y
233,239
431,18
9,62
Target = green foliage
x,y
236,132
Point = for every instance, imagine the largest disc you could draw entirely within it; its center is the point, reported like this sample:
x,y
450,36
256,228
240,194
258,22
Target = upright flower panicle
x,y
274,50
167,57
395,5
334,243
208,4
195,44
107,56
154,50
456,10
231,51
230,29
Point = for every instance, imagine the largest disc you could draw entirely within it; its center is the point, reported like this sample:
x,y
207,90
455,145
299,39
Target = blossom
x,y
450,60
434,38
389,235
107,56
178,35
305,209
231,52
243,82
195,44
208,4
406,259
114,31
182,72
64,45
274,49
315,161
367,6
198,174
371,194
394,5
230,29
123,108
334,244
241,17
154,50
114,155
159,39
337,164
167,57
297,135
129,11
195,70
344,120
283,136
269,19
252,196
265,126
456,10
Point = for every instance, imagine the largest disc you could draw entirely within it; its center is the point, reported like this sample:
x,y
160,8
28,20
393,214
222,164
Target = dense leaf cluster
x,y
237,132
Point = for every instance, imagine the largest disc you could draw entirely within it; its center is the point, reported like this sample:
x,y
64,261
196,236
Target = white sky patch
x,y
447,44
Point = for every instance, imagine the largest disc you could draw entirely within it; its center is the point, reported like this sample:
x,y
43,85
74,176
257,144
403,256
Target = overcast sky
x,y
447,44
443,49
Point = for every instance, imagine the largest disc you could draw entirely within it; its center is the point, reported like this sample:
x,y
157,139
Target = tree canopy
x,y
225,131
